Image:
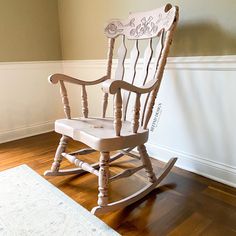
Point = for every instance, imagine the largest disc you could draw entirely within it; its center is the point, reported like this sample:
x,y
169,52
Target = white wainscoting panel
x,y
193,118
194,114
28,103
198,111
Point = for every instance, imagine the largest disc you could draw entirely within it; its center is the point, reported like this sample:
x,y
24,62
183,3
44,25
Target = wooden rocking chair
x,y
118,134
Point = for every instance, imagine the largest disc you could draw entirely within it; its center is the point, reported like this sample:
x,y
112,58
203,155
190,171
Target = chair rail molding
x,y
213,63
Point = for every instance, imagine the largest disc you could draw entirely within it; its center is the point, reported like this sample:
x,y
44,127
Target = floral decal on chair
x,y
113,29
116,27
146,27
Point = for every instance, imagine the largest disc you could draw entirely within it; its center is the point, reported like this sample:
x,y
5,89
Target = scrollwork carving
x,y
147,26
116,27
142,26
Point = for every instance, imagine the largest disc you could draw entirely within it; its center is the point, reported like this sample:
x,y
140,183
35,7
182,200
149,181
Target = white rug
x,y
30,206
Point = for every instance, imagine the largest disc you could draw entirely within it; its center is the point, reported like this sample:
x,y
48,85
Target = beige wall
x,y
206,27
29,30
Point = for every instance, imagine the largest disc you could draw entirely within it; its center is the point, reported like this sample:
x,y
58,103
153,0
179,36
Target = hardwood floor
x,y
184,204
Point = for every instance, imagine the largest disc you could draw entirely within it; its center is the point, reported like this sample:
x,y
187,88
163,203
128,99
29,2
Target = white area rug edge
x,y
97,223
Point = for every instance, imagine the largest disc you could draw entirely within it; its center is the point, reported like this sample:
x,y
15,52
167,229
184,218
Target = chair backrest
x,y
156,27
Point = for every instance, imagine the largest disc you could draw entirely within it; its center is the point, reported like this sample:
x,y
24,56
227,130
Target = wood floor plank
x,y
218,229
221,195
194,225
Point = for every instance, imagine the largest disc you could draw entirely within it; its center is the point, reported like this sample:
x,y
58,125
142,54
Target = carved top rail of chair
x,y
143,25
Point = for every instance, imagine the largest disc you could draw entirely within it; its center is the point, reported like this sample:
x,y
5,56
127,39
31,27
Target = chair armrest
x,y
112,86
53,79
65,78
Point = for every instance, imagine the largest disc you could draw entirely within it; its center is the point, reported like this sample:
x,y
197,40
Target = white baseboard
x,y
208,168
27,131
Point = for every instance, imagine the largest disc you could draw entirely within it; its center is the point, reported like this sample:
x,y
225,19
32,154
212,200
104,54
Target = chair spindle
x,y
134,55
121,60
146,63
136,114
103,179
65,100
118,113
111,43
147,60
84,102
150,97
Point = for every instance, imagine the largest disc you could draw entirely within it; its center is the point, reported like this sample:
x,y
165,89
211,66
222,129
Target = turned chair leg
x,y
147,163
58,157
103,179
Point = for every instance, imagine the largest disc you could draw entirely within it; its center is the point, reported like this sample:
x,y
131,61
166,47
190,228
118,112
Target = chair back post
x,y
159,72
136,113
84,100
118,113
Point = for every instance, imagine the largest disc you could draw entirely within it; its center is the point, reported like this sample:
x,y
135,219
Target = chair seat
x,y
99,134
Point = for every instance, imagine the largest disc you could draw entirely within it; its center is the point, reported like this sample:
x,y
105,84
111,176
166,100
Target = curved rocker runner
x,y
118,133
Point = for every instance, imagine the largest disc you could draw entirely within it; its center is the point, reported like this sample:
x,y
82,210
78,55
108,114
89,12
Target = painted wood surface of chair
x,y
119,134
